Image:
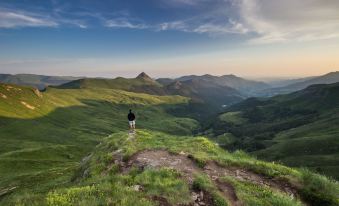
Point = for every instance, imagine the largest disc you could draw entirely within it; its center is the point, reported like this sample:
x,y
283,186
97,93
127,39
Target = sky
x,y
169,38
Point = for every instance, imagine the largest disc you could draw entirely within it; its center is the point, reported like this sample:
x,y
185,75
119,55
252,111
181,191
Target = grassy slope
x,y
41,147
105,183
299,129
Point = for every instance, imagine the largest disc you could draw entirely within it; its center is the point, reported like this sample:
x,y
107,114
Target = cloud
x,y
202,25
219,29
12,19
175,25
124,23
290,20
261,21
179,3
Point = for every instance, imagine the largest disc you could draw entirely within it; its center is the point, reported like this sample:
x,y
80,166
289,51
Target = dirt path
x,y
187,167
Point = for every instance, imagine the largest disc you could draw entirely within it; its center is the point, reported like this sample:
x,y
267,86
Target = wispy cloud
x,y
219,29
124,23
205,25
175,25
262,21
178,3
12,19
290,20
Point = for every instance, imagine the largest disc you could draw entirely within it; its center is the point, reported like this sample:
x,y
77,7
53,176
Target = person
x,y
131,120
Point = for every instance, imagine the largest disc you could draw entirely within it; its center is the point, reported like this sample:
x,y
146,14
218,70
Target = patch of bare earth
x,y
9,88
37,93
3,96
188,168
27,105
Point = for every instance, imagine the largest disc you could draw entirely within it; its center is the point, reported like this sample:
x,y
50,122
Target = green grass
x,y
202,150
164,183
202,182
253,195
41,147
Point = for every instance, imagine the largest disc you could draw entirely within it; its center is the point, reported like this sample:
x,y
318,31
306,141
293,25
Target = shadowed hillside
x,y
298,129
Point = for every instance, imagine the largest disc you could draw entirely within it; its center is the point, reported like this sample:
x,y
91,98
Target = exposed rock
x,y
137,188
194,196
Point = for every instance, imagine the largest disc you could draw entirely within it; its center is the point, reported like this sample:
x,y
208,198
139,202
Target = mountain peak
x,y
144,76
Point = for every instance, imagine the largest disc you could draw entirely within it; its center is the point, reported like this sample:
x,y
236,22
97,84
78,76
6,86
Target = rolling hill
x,y
206,97
142,83
37,81
297,129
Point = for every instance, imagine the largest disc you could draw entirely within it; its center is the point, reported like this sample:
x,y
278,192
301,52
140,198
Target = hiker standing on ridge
x,y
131,120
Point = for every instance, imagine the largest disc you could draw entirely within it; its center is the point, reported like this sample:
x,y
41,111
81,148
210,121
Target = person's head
x,y
130,111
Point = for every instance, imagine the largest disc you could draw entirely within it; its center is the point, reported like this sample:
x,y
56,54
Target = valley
x,y
296,129
67,144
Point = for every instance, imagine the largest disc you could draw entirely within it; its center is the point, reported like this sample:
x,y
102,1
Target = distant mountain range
x,y
298,84
224,89
246,87
38,81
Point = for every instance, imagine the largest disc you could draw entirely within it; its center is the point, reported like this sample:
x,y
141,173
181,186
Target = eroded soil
x,y
188,168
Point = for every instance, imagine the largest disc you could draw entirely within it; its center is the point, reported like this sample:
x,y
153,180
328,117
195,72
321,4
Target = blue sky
x,y
254,38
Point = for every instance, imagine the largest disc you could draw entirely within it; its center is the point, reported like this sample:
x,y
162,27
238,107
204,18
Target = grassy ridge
x,y
44,138
104,178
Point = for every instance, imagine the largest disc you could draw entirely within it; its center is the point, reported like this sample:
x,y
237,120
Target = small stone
x,y
201,195
214,177
194,196
237,173
182,153
201,203
137,187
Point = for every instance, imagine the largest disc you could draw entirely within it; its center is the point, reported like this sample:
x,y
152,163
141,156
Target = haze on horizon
x,y
170,38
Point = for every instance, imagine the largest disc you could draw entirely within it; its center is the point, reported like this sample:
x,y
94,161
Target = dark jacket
x,y
131,117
